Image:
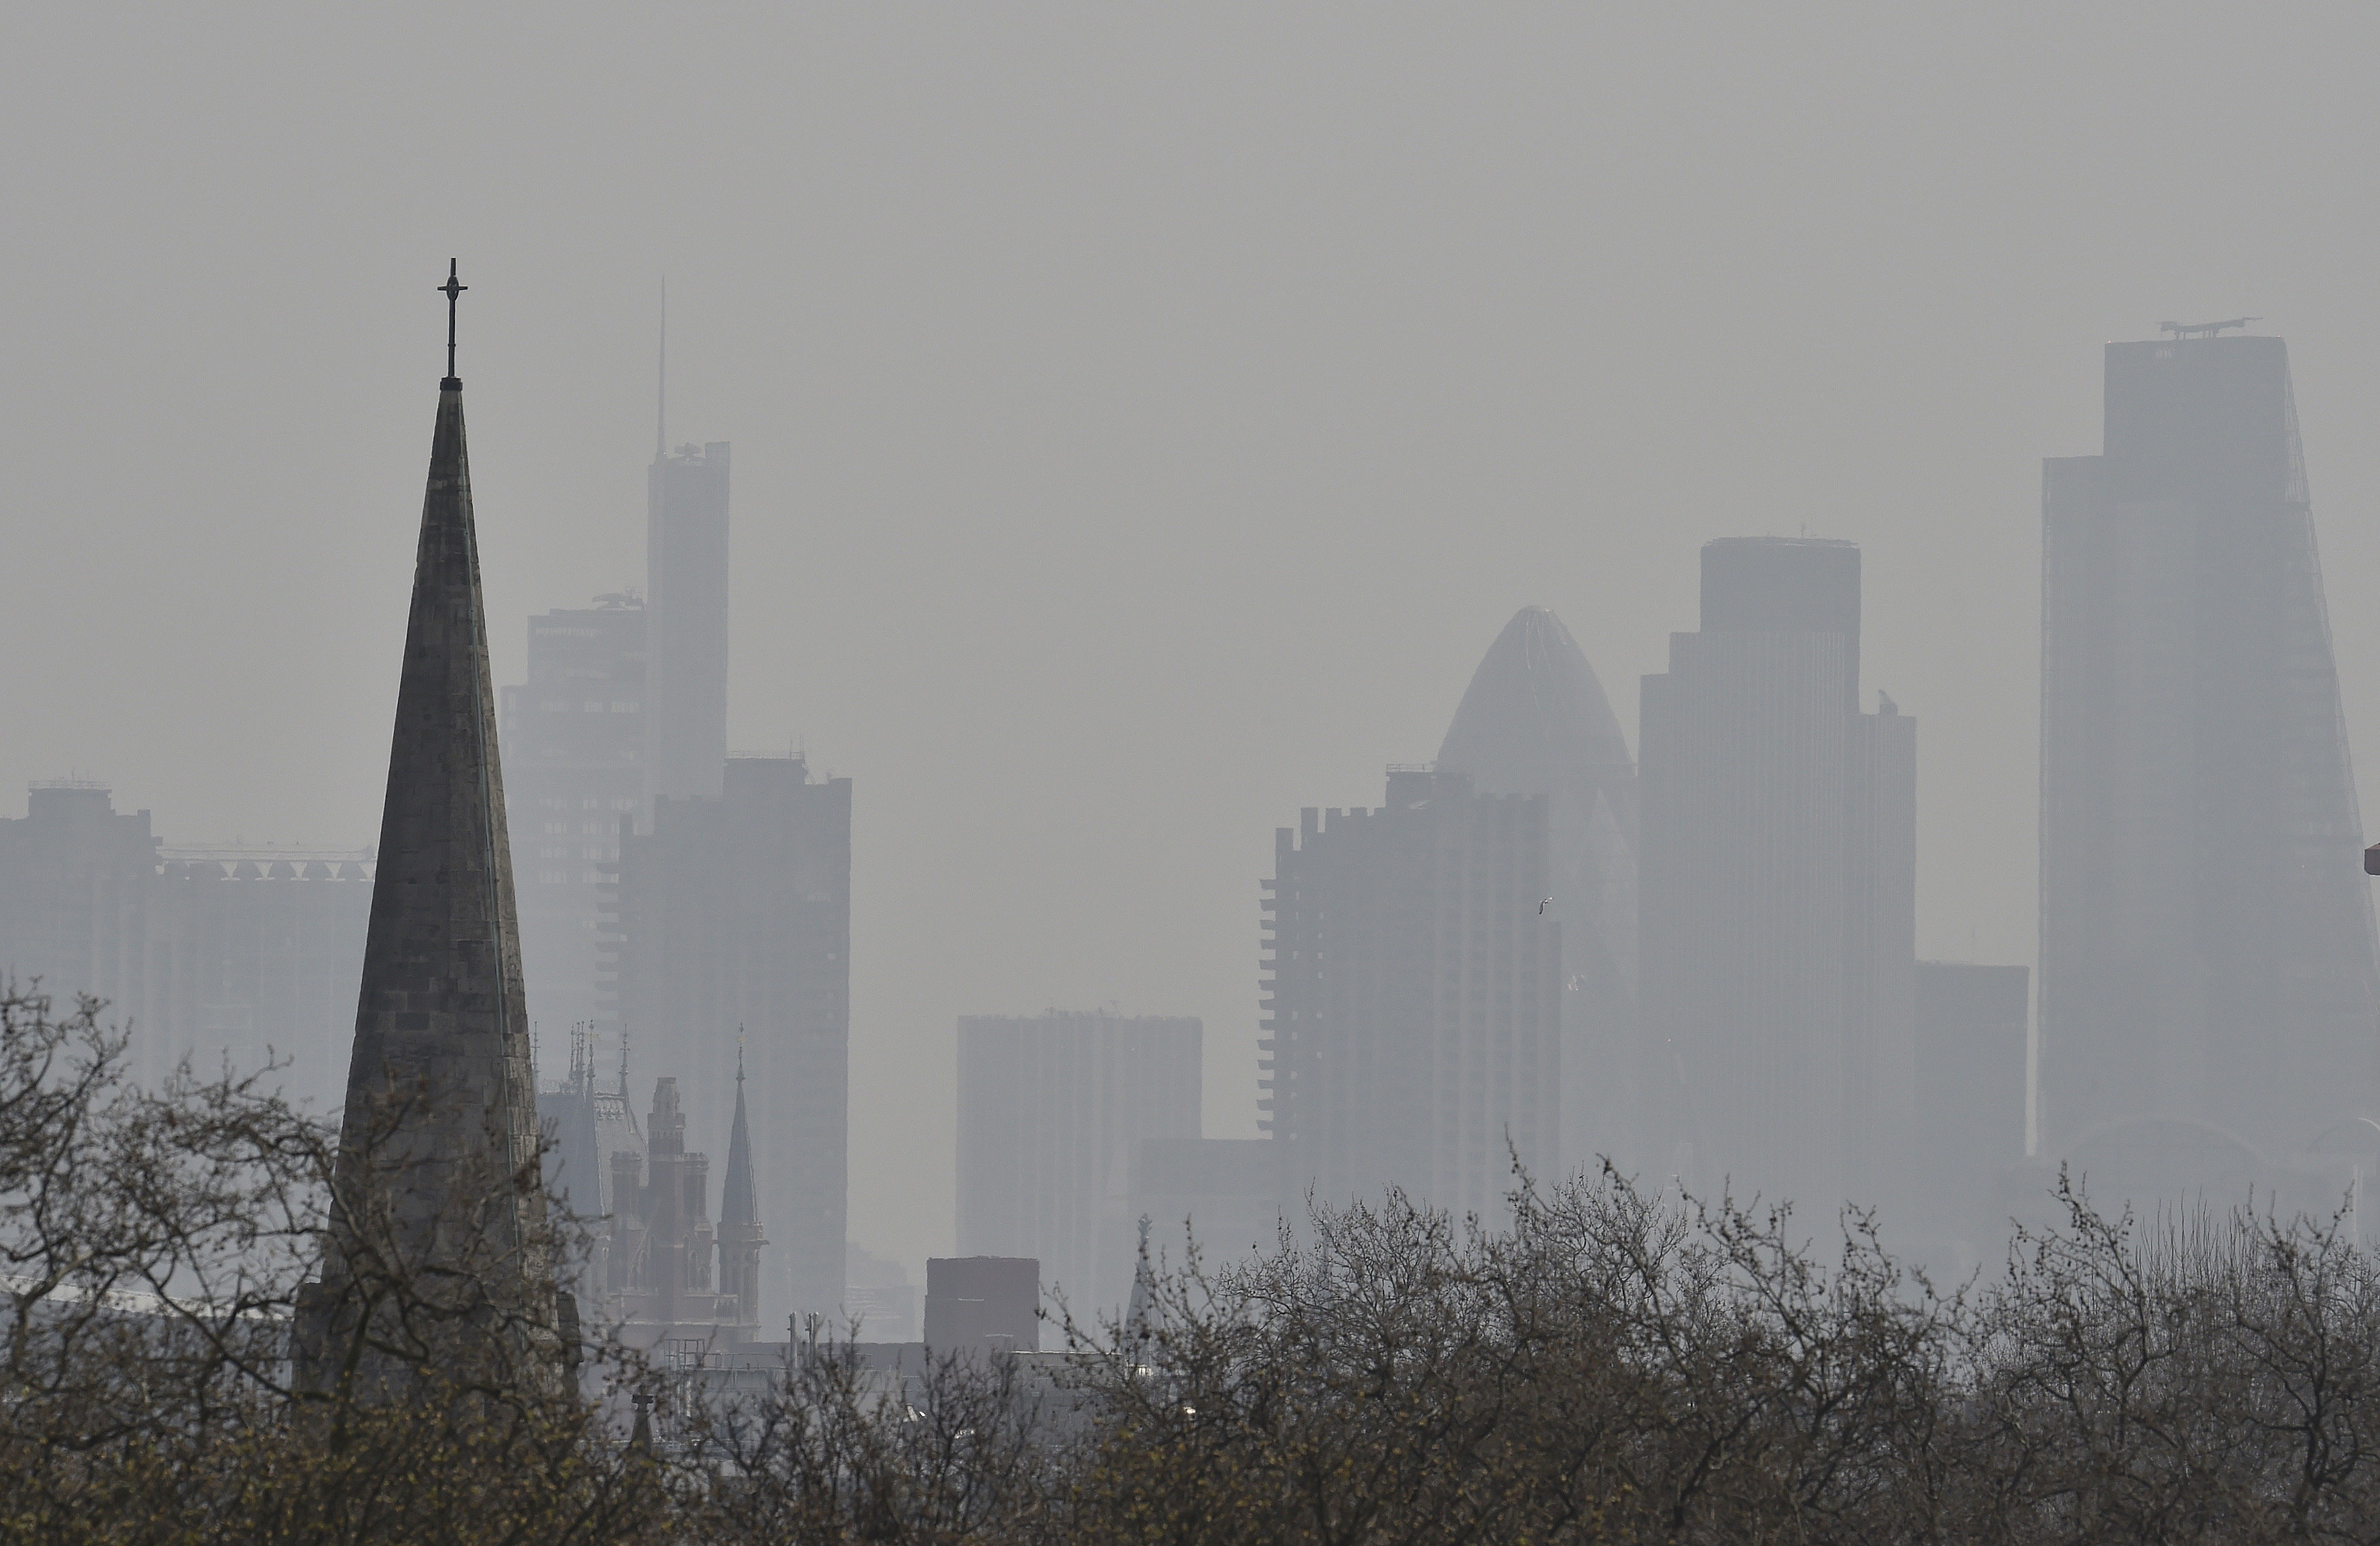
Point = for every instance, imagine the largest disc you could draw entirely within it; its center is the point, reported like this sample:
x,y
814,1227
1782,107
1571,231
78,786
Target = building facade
x,y
1050,1108
251,953
1412,991
574,764
2207,933
1972,1026
728,934
1777,891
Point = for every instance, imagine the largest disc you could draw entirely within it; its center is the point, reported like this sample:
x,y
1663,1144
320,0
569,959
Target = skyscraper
x,y
731,931
686,621
438,1188
575,765
1411,1034
1049,1111
2206,934
1534,721
1778,889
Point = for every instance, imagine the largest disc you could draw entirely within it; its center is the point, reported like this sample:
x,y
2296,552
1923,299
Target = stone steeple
x,y
739,1221
438,1195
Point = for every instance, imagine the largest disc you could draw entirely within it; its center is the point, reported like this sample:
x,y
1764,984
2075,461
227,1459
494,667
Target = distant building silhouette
x,y
979,1303
685,588
1225,1192
1412,1031
2206,936
574,765
1778,886
659,1283
587,1120
729,930
249,953
1050,1108
1534,721
1972,1023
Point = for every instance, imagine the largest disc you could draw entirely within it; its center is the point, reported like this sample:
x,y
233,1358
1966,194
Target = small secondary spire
x,y
452,290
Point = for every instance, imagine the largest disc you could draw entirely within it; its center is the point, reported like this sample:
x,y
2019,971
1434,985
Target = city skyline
x,y
1116,472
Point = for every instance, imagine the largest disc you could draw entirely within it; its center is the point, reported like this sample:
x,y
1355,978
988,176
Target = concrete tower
x,y
438,1196
1778,886
2206,940
1411,989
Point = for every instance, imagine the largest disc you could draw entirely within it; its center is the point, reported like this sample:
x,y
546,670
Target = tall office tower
x,y
1971,1023
731,929
574,764
1413,994
1535,722
686,606
2206,936
1049,1111
1778,888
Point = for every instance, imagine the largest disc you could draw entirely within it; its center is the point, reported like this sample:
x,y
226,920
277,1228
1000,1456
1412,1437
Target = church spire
x,y
739,1221
438,1178
738,1202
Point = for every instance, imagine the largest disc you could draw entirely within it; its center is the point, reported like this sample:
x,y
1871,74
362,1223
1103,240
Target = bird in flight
x,y
1543,905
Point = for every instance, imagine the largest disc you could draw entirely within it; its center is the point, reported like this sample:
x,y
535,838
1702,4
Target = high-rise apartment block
x,y
729,931
574,766
1777,891
1413,996
685,588
249,953
1050,1109
2207,933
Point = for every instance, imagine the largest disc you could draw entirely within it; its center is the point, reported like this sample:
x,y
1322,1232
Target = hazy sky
x,y
1144,418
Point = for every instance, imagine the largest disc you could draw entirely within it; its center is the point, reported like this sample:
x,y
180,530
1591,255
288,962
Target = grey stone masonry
x,y
438,1177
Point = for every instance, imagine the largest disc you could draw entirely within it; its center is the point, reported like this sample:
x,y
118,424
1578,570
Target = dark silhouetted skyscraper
x,y
2206,932
1778,888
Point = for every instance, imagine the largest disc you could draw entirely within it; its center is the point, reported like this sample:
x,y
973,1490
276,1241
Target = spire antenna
x,y
452,290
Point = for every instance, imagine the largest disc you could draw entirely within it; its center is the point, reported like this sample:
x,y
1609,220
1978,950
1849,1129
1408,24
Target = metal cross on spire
x,y
452,290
